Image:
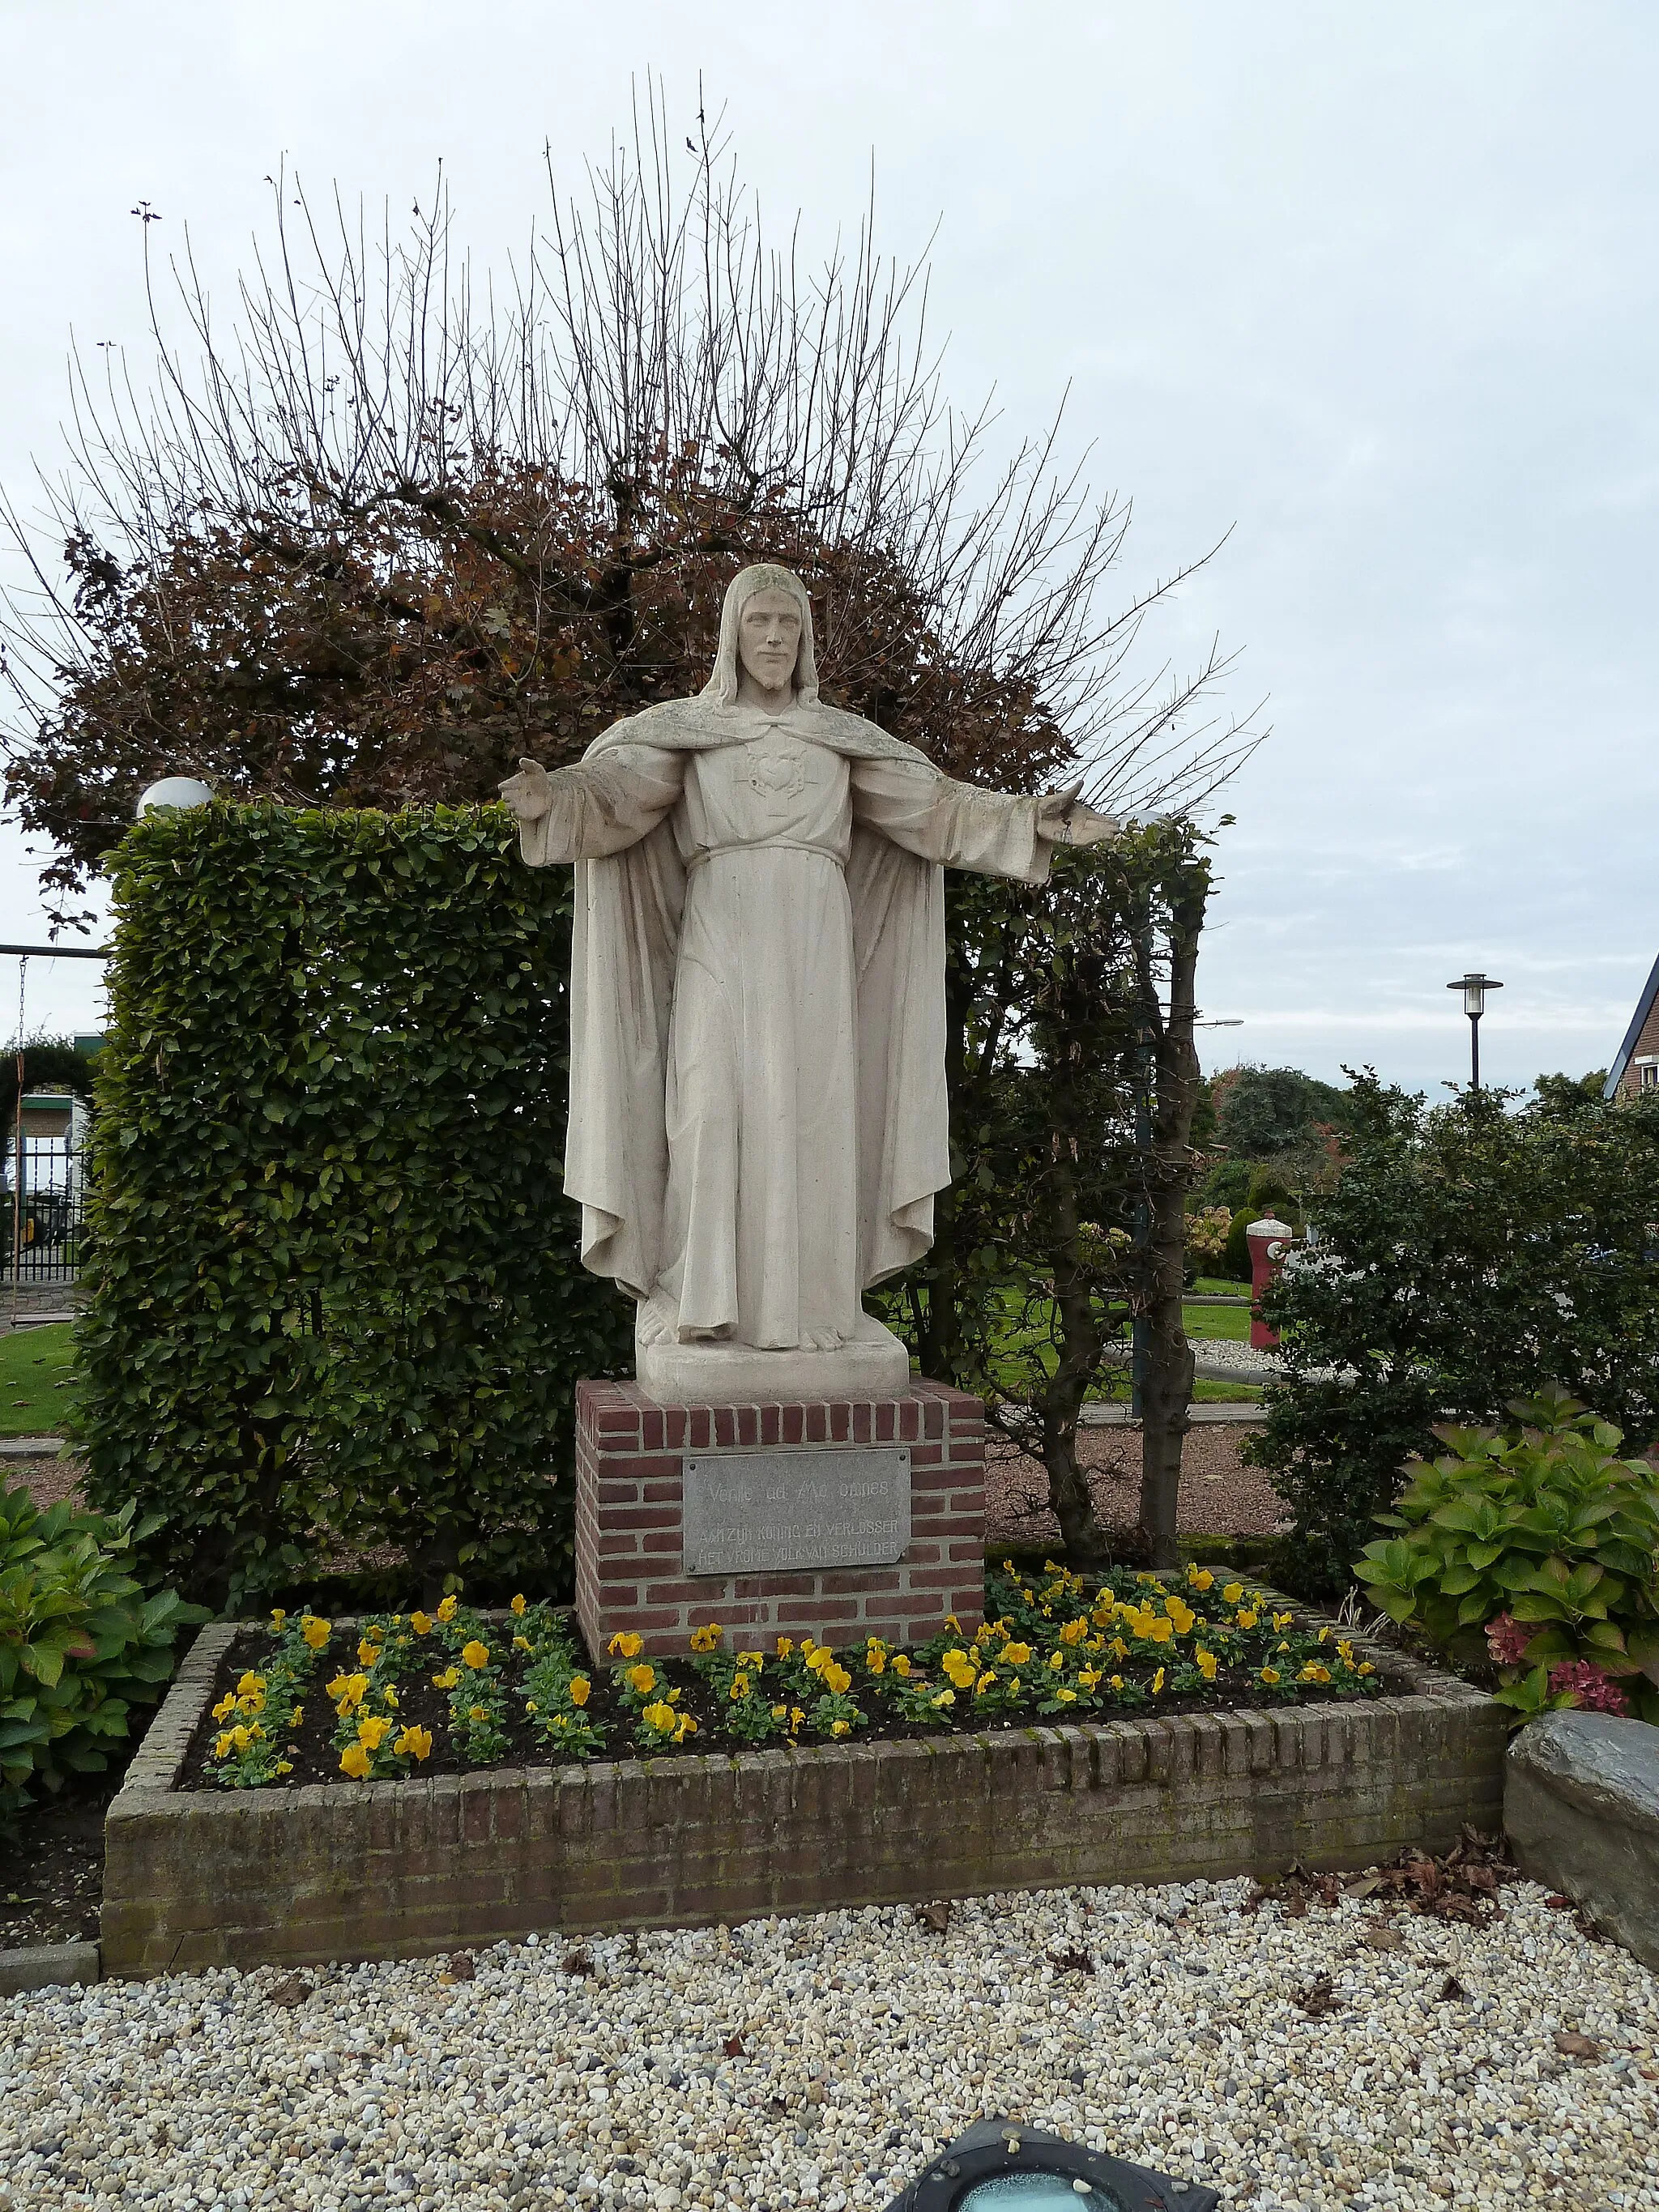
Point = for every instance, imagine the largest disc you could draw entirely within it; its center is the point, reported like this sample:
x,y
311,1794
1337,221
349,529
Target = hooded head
x,y
765,576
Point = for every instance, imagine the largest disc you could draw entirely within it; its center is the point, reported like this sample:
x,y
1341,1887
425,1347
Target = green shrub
x,y
1236,1252
80,1642
1465,1254
1534,1546
335,1302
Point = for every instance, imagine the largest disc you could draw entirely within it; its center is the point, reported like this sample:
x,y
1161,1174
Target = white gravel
x,y
867,2041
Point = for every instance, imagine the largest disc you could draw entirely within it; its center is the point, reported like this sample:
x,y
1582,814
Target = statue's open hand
x,y
529,792
1065,820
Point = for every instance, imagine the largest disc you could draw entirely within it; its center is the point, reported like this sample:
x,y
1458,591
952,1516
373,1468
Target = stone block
x,y
1580,1806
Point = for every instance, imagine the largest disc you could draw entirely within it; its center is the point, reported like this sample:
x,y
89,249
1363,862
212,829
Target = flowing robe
x,y
758,1119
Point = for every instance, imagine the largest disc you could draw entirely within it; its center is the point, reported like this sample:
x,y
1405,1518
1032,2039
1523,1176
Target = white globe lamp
x,y
176,791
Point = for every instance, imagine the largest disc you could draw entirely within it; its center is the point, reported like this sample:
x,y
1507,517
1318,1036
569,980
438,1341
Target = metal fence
x,y
40,1254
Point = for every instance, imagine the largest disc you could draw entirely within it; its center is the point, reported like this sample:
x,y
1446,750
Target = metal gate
x,y
45,1237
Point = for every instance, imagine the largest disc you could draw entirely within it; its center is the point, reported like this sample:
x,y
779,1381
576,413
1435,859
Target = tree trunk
x,y
1167,1384
1070,1499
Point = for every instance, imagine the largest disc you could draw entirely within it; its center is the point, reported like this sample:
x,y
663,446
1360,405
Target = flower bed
x,y
415,1859
442,1693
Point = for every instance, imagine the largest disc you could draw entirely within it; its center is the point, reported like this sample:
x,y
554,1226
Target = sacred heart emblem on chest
x,y
778,772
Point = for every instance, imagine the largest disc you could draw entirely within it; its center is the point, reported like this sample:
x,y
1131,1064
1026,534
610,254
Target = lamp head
x,y
1475,990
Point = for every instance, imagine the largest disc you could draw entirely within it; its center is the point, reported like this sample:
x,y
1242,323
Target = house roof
x,y
1644,1006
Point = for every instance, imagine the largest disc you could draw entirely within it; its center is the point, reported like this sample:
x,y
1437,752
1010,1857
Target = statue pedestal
x,y
840,1518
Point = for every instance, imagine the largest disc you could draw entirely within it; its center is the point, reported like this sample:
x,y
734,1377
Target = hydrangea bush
x,y
81,1642
1536,1547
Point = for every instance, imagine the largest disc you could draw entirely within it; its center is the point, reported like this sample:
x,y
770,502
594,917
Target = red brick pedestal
x,y
630,1564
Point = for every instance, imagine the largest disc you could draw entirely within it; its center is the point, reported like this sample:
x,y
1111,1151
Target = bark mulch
x,y
1220,1496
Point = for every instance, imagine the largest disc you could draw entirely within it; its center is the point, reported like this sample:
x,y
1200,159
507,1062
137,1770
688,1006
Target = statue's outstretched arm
x,y
990,832
594,808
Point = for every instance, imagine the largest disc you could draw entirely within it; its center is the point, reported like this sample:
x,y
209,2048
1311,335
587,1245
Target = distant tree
x,y
1569,1094
49,1063
1265,1111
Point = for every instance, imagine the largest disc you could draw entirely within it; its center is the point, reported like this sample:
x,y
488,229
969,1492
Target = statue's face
x,y
768,638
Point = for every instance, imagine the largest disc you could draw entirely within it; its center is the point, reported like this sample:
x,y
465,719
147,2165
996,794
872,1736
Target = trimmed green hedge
x,y
336,1304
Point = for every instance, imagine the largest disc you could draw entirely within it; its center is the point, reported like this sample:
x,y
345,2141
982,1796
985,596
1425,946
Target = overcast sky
x,y
1376,288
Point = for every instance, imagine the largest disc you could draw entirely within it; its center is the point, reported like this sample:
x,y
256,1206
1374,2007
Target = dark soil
x,y
316,1756
52,1879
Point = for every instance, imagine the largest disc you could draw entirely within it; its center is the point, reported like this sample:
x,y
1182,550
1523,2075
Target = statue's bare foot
x,y
824,1339
652,1323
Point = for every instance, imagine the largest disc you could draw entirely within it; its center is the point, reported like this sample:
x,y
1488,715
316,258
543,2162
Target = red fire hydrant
x,y
1269,1240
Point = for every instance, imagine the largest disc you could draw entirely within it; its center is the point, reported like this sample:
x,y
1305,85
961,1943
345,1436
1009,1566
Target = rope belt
x,y
765,845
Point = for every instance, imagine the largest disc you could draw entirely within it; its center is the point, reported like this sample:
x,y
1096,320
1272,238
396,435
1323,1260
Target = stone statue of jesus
x,y
758,1102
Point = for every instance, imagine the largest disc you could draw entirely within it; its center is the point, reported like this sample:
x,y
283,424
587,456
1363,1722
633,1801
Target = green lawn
x,y
1217,1286
34,1374
1232,1323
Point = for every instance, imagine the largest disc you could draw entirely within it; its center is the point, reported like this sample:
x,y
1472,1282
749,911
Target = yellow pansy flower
x,y
786,1645
642,1680
226,1707
355,1761
316,1632
1017,1654
414,1743
369,1652
447,1679
581,1689
475,1655
421,1623
739,1688
446,1609
1248,1618
1206,1662
516,1602
944,1699
837,1679
1201,1578
1231,1593
1157,1681
625,1644
840,1728
707,1637
900,1662
1270,1676
374,1730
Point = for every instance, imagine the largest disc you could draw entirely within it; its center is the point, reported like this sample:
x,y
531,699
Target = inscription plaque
x,y
770,1512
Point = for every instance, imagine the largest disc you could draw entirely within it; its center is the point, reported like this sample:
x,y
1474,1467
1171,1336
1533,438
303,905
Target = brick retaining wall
x,y
385,1869
629,1566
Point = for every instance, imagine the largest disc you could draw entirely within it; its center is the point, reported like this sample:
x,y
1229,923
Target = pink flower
x,y
1507,1640
1593,1689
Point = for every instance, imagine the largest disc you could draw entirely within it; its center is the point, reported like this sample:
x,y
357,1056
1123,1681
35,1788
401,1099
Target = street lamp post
x,y
1475,990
